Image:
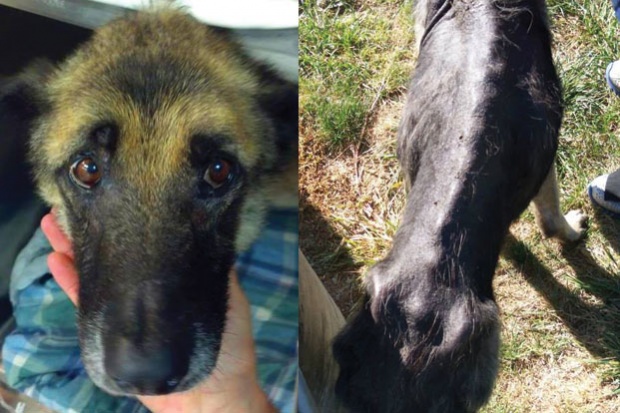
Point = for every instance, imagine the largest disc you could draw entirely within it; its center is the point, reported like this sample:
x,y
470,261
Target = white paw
x,y
577,220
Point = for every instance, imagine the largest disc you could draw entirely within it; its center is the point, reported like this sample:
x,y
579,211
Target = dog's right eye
x,y
218,173
85,172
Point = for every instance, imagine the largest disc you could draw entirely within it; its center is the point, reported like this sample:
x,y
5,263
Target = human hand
x,y
232,387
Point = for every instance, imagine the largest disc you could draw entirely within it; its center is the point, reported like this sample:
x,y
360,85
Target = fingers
x,y
238,301
57,238
237,339
239,317
65,274
60,262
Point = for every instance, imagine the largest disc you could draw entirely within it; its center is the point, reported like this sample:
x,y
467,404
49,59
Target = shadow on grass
x,y
595,326
610,228
328,255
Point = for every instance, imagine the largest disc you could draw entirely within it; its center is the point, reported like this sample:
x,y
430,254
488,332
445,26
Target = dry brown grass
x,y
359,194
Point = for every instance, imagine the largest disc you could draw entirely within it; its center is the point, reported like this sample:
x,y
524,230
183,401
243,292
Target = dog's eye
x,y
85,172
218,173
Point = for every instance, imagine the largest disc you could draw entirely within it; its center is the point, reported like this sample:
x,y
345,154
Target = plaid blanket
x,y
42,356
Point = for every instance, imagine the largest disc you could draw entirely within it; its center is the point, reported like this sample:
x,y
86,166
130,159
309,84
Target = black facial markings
x,y
150,82
204,151
204,146
99,142
105,136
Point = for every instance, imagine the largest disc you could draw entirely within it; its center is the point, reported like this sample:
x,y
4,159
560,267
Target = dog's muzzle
x,y
145,351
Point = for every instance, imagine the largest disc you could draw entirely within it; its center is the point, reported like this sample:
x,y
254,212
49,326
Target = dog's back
x,y
477,139
485,94
479,133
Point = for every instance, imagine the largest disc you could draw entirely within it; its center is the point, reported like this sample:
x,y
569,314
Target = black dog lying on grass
x,y
477,143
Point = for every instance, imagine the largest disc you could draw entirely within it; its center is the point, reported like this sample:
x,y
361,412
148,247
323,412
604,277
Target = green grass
x,y
350,57
560,305
590,33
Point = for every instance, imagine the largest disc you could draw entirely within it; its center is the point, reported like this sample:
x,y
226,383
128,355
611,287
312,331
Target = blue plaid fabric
x,y
41,357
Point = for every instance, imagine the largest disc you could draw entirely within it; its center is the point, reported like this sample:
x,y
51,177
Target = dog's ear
x,y
21,102
21,96
278,99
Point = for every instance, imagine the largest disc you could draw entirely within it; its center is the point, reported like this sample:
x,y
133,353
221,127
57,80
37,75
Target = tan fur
x,y
154,104
546,207
154,147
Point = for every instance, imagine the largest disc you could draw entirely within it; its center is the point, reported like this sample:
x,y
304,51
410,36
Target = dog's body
x,y
159,143
477,143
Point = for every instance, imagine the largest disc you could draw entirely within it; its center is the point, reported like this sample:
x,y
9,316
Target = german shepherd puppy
x,y
476,143
160,143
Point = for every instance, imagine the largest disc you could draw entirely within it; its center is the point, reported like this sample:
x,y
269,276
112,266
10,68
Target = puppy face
x,y
156,144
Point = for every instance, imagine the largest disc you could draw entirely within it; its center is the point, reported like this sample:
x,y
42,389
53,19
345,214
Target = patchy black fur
x,y
20,104
477,138
15,185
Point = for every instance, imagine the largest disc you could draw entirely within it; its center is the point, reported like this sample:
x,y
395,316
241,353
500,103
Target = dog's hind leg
x,y
567,228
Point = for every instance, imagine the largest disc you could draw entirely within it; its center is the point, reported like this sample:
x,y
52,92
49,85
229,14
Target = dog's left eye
x,y
218,173
85,172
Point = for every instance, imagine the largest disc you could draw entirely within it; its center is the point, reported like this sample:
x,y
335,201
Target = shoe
x,y
604,192
612,75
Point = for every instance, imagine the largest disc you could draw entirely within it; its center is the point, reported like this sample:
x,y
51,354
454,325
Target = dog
x,y
160,144
476,143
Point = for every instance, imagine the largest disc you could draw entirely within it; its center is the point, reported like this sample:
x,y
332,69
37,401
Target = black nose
x,y
143,370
